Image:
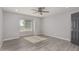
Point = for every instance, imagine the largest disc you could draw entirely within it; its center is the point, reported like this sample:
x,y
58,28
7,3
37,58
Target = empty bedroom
x,y
39,28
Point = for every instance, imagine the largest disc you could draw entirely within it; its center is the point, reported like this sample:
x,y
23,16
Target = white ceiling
x,y
29,11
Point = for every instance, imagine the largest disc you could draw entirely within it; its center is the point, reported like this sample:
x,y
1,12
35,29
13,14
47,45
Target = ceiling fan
x,y
40,10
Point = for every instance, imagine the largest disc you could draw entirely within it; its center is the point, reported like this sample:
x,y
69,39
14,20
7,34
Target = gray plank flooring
x,y
52,44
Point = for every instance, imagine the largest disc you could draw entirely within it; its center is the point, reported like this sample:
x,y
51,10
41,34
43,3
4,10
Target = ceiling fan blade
x,y
45,11
34,10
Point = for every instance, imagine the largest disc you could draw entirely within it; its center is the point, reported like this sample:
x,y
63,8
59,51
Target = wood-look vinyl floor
x,y
52,44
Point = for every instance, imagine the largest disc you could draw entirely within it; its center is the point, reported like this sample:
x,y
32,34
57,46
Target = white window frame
x,y
31,26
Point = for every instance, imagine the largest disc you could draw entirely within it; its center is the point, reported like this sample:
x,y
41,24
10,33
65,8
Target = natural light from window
x,y
25,25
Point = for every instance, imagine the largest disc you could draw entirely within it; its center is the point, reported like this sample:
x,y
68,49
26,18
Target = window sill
x,y
25,31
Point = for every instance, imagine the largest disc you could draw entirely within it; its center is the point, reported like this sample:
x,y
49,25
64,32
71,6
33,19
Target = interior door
x,y
75,28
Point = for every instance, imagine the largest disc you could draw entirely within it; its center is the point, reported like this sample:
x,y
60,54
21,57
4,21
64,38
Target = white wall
x,y
58,25
1,21
12,28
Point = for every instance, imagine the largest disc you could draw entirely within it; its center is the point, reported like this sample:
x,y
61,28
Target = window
x,y
25,25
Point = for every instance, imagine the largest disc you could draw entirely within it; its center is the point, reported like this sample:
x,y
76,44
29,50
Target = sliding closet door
x,y
75,28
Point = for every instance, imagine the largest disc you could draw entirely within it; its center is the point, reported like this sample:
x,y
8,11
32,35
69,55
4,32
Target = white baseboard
x,y
58,37
10,38
62,38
